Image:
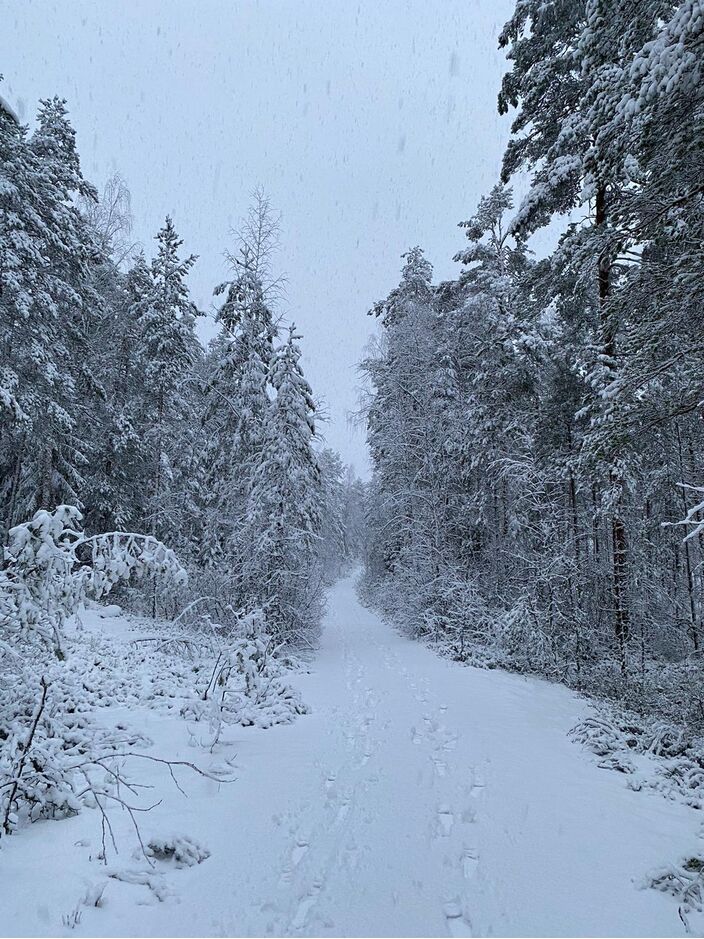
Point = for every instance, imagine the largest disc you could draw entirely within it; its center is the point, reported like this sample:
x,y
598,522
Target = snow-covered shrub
x,y
455,611
261,695
182,850
602,734
53,753
685,882
672,690
677,767
51,748
51,567
446,609
246,683
522,637
56,758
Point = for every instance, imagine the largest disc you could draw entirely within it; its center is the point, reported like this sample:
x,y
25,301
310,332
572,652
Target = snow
x,y
419,797
7,107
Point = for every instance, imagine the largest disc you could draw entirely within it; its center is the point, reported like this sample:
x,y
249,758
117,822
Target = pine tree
x,y
168,351
236,394
283,517
46,254
115,495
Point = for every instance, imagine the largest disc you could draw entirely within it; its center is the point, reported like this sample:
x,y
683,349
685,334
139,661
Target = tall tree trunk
x,y
572,494
12,503
618,527
157,495
45,489
694,625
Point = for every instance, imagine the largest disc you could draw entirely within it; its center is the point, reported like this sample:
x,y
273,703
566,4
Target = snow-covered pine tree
x,y
115,495
168,350
556,130
236,393
334,551
46,253
410,424
568,390
284,507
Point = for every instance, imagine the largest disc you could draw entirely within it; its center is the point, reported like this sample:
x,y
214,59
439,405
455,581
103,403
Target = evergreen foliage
x,y
535,425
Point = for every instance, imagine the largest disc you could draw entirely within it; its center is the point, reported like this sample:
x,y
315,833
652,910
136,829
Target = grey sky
x,y
371,126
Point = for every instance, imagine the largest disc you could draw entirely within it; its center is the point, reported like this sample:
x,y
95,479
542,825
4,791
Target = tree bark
x,y
618,527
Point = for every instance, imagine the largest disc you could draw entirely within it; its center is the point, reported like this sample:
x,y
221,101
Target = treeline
x,y
534,423
108,402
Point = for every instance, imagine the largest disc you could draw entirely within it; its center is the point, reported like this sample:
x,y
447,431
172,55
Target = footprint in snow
x,y
470,860
440,765
299,851
445,819
306,904
457,923
450,742
343,811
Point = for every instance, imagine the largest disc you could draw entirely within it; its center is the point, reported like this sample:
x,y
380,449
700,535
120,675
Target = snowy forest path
x,y
450,801
420,797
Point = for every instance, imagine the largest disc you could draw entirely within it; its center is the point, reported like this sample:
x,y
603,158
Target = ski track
x,y
420,797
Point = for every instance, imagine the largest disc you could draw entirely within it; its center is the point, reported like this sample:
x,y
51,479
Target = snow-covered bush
x,y
52,750
685,882
53,755
180,849
246,682
51,567
616,736
57,758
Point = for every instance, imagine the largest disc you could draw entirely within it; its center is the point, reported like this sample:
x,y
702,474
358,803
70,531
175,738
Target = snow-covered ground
x,y
419,797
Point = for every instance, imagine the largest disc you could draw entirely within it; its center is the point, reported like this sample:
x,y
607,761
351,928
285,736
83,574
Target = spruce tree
x,y
284,506
168,351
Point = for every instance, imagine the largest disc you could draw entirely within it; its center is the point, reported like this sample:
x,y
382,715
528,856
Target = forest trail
x,y
450,801
420,797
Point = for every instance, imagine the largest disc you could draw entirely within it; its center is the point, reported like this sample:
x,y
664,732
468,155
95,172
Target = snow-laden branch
x,y
51,568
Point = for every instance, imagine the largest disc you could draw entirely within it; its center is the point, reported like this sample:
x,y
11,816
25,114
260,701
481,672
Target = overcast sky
x,y
372,126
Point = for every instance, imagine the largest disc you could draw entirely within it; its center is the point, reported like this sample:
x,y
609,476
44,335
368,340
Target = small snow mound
x,y
109,611
182,850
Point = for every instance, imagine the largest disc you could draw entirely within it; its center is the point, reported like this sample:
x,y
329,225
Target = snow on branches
x,y
51,568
